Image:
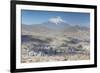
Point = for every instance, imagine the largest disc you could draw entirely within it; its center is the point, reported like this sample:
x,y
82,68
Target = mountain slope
x,y
57,26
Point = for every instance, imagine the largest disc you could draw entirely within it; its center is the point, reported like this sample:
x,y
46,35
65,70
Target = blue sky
x,y
30,17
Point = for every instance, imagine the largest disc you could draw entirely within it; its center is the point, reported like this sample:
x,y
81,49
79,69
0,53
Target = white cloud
x,y
56,20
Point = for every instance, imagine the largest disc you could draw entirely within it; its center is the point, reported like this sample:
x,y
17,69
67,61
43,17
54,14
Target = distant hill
x,y
56,25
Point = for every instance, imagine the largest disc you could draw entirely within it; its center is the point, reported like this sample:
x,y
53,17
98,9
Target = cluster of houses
x,y
73,46
49,50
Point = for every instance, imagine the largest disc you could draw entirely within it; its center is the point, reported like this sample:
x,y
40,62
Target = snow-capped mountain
x,y
56,20
54,24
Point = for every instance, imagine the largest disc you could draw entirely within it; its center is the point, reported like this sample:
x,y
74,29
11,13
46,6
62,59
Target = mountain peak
x,y
56,20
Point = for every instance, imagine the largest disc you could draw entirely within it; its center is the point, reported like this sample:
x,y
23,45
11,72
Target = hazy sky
x,y
37,17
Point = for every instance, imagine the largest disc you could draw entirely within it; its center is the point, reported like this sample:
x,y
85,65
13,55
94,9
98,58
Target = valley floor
x,y
55,58
36,48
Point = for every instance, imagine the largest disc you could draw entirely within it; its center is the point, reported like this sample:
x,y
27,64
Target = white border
x,y
20,65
